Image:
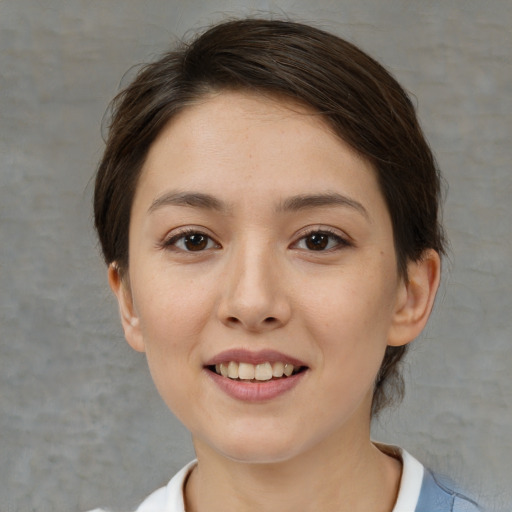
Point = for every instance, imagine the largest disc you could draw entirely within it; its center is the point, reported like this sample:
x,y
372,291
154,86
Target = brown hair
x,y
357,97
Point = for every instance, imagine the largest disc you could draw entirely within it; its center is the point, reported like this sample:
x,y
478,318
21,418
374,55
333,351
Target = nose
x,y
254,294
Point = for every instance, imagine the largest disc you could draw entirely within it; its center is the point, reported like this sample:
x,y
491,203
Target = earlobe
x,y
416,298
129,318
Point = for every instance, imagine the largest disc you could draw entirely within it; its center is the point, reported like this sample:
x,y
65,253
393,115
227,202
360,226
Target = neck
x,y
353,477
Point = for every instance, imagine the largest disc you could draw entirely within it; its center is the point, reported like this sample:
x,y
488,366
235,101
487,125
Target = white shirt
x,y
420,490
170,497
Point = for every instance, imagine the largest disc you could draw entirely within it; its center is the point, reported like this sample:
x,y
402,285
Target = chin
x,y
258,455
258,447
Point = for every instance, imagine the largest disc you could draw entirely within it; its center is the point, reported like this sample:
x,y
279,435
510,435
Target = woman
x,y
268,210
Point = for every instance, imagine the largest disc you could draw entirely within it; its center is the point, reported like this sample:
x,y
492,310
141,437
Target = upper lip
x,y
253,357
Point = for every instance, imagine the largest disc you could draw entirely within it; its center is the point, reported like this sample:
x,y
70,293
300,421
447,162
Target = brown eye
x,y
317,241
192,241
321,241
195,242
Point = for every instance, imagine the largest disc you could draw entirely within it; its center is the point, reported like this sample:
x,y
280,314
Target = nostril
x,y
252,323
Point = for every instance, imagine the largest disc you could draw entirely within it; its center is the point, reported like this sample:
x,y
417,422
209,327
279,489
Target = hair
x,y
360,101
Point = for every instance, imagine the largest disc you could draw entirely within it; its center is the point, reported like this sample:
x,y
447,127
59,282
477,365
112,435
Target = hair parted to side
x,y
361,102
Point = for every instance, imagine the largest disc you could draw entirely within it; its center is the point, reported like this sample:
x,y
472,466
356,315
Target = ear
x,y
129,319
415,298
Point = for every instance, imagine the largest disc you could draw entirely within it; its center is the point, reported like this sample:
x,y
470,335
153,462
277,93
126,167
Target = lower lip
x,y
256,391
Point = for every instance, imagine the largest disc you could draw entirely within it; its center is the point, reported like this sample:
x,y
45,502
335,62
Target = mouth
x,y
255,376
248,372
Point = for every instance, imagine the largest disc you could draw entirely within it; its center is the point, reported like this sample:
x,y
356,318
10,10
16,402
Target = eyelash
x,y
339,241
172,242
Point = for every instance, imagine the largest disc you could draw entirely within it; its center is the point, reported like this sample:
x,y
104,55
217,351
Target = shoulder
x,y
156,501
421,490
439,494
170,497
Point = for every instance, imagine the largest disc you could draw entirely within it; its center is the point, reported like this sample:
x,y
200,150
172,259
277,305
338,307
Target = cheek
x,y
172,319
359,299
353,339
172,314
171,308
351,317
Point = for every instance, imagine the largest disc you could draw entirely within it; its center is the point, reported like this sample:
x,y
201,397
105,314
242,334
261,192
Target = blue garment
x,y
437,497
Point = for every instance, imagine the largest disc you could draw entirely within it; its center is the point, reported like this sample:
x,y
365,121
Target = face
x,y
260,245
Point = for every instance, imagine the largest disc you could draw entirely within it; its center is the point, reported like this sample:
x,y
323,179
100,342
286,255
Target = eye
x,y
191,241
321,241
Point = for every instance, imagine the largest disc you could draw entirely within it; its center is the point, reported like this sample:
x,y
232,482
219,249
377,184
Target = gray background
x,y
80,423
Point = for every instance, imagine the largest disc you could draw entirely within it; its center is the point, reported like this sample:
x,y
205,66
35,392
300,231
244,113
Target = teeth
x,y
278,369
233,370
288,369
245,371
261,372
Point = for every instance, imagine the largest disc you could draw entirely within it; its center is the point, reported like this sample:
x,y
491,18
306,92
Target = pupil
x,y
317,241
195,242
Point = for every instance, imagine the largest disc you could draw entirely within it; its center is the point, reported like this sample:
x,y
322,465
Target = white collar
x,y
170,497
410,483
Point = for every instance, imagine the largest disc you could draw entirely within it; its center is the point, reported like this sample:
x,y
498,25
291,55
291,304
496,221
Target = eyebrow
x,y
305,201
291,204
192,199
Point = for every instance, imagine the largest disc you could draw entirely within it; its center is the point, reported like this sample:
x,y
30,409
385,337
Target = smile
x,y
255,376
255,372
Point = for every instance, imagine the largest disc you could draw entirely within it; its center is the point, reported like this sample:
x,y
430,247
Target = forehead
x,y
238,115
252,136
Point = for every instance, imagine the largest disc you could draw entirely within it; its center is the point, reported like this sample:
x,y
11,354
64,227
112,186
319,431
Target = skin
x,y
258,284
